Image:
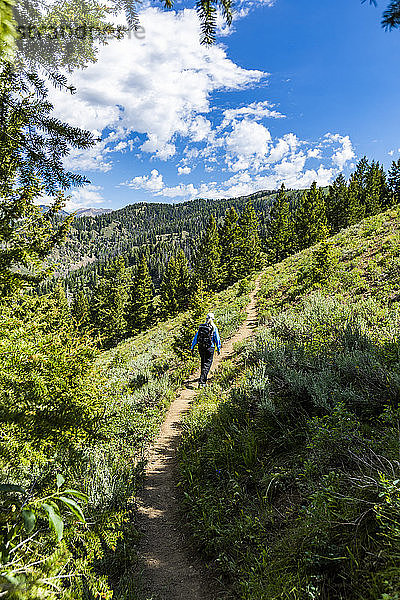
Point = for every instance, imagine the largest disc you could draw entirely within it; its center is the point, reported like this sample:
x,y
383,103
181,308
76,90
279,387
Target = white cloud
x,y
155,183
120,146
247,140
93,159
256,110
85,197
285,145
159,87
314,153
152,183
184,170
244,7
284,160
153,97
345,152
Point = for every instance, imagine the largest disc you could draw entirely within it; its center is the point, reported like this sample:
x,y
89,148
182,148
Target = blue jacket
x,y
215,340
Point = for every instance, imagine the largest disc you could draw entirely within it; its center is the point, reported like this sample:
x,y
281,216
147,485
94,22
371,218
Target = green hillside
x,y
69,411
159,228
290,462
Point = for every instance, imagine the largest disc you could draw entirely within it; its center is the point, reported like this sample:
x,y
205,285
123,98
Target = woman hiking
x,y
207,338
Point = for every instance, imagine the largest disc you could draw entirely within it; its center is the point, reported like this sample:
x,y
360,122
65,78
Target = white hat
x,y
211,316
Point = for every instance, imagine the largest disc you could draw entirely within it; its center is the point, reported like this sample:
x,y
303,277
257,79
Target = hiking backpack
x,y
204,336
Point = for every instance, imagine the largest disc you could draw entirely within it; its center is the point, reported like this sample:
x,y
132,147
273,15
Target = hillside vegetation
x,y
158,227
76,419
290,462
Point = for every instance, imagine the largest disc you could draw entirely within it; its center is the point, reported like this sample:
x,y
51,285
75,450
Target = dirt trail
x,y
170,571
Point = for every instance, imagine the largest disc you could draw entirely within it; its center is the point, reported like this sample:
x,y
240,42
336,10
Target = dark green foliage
x,y
281,236
168,290
162,228
176,286
337,204
367,191
229,236
394,182
208,259
356,206
45,392
321,266
33,145
139,306
54,415
249,242
184,285
391,16
108,304
80,311
376,189
310,218
207,12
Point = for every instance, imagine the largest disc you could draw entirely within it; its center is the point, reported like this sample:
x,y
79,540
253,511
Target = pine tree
x,y
33,145
321,266
184,280
230,248
168,290
281,240
249,242
337,204
108,303
394,183
311,222
139,307
375,189
8,32
208,256
357,191
80,310
59,315
356,205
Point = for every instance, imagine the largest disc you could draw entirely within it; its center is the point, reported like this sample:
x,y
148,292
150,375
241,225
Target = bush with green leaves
x,y
26,549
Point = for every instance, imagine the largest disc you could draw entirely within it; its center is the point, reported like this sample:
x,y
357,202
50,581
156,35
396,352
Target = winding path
x,y
170,570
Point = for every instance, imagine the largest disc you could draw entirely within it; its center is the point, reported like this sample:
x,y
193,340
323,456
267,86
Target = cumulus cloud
x,y
158,87
248,140
285,160
151,183
155,183
153,98
345,152
255,110
85,197
184,170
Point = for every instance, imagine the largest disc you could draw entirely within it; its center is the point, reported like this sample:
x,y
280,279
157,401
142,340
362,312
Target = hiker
x,y
207,338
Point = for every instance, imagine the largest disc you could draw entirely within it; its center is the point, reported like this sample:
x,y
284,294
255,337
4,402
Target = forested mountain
x,y
159,229
91,212
288,221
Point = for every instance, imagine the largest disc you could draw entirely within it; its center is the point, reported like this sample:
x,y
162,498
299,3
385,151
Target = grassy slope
x,y
139,377
289,464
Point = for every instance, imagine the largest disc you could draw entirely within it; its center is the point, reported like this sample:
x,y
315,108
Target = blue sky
x,y
293,92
